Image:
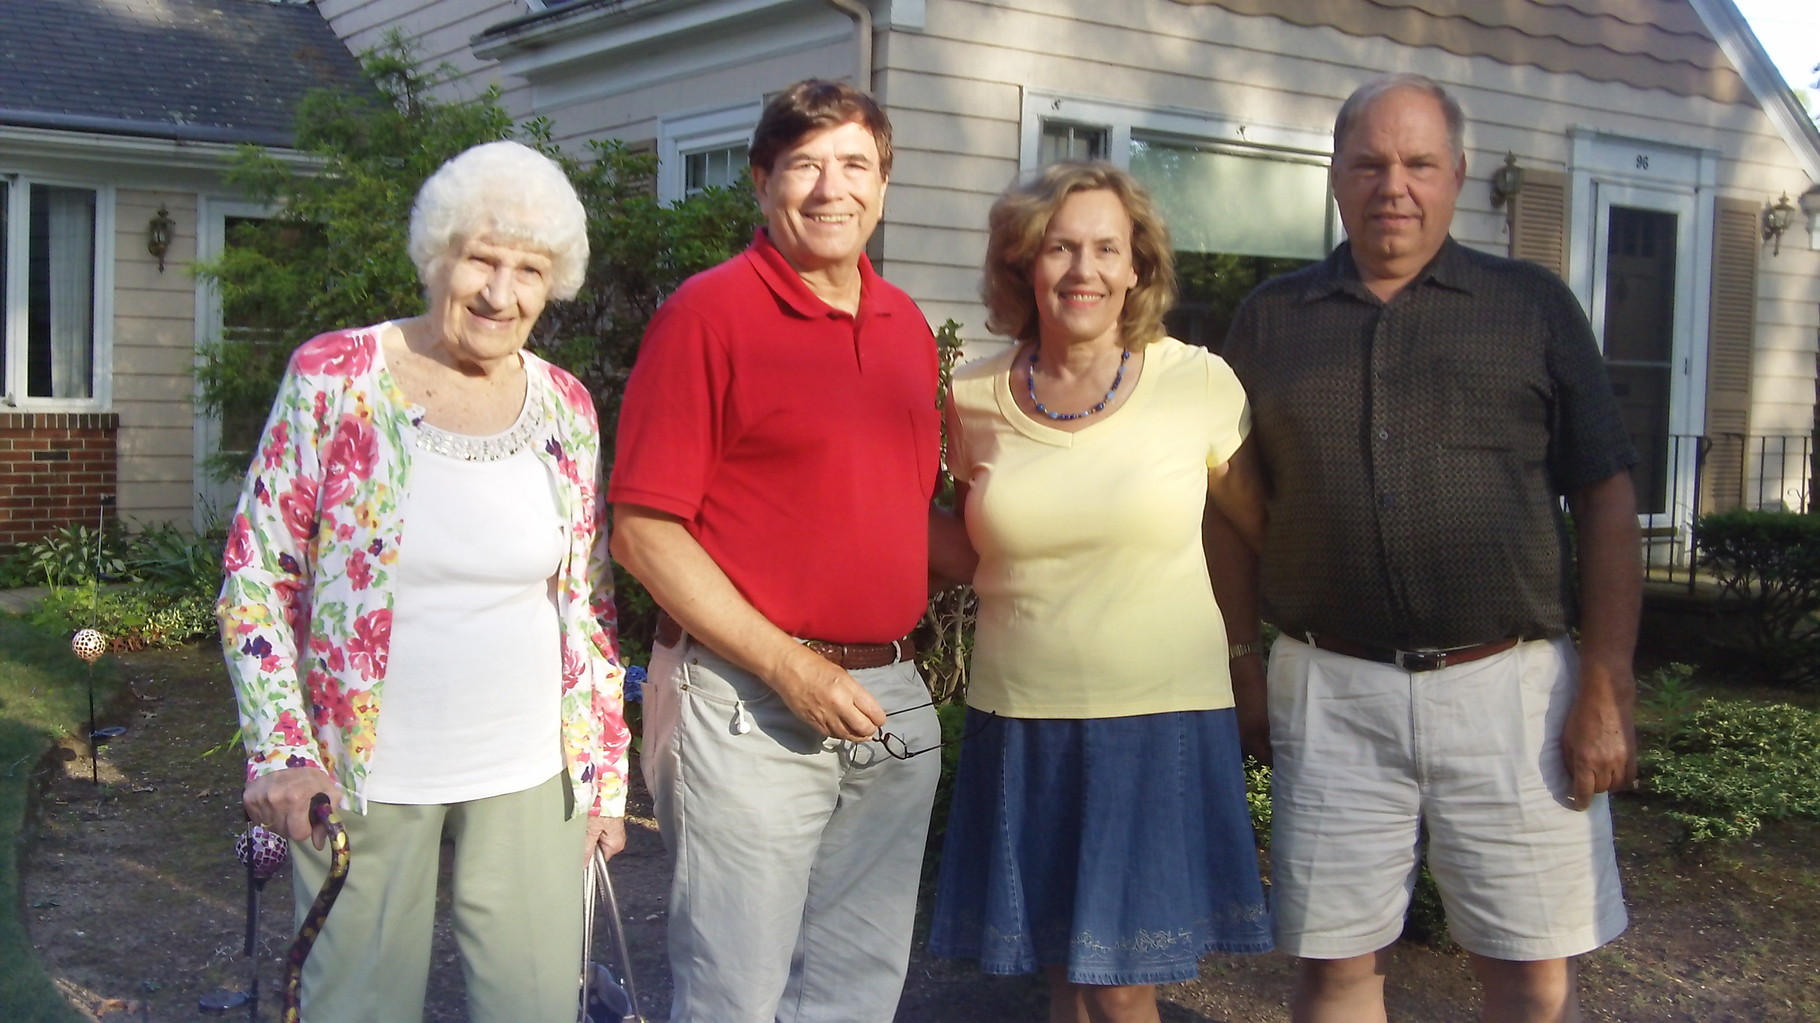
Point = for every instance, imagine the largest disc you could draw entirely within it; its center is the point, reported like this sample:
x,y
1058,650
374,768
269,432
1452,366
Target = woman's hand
x,y
280,802
608,834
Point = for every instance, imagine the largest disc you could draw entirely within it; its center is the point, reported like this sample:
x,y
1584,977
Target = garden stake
x,y
322,811
89,645
262,852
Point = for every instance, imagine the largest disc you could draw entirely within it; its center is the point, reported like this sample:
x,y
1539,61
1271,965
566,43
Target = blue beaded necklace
x,y
1030,383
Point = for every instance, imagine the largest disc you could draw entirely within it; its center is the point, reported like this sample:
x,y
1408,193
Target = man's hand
x,y
280,802
1252,702
608,834
1599,740
824,695
659,551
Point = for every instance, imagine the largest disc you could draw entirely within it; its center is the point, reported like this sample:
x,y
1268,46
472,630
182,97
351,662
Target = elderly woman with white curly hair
x,y
418,615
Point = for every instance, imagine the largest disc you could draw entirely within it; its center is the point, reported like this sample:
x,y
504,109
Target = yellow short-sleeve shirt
x,y
1094,594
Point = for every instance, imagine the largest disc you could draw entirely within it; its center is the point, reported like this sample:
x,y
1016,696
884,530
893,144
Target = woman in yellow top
x,y
1099,828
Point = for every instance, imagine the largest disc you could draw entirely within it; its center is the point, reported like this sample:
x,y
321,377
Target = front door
x,y
1642,310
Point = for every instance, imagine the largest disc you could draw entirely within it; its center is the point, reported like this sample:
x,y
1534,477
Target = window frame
x,y
15,295
682,135
1175,126
1121,120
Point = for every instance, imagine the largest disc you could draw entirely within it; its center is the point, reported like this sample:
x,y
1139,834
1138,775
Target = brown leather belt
x,y
1409,660
851,656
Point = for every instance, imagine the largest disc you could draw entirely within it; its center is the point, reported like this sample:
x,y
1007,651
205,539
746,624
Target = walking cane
x,y
322,812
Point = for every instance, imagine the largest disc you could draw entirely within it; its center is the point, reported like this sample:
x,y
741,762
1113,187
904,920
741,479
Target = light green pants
x,y
516,899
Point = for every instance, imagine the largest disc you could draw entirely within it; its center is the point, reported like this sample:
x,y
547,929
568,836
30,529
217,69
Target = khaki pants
x,y
516,903
796,859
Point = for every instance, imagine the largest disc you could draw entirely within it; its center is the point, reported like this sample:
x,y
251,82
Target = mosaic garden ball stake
x,y
89,645
262,852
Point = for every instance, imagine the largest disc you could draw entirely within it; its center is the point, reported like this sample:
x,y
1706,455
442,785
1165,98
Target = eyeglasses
x,y
895,746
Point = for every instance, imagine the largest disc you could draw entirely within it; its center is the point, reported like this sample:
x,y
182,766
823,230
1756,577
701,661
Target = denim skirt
x,y
1119,848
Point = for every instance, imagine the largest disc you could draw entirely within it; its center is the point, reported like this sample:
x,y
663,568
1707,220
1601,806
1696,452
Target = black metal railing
x,y
1684,476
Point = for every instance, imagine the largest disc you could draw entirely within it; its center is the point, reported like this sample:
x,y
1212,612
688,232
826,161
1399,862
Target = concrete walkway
x,y
18,602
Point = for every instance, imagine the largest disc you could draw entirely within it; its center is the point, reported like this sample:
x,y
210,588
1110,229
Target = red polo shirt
x,y
798,443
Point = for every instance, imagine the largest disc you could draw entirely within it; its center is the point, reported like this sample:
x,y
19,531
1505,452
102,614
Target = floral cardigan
x,y
306,612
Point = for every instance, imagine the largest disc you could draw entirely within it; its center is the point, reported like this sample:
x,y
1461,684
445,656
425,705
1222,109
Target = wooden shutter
x,y
1730,338
1538,229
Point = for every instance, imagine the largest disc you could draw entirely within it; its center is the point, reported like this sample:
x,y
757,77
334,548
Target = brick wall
x,y
56,468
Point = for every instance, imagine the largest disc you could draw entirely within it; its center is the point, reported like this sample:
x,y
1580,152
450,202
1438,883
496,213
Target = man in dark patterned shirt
x,y
1420,409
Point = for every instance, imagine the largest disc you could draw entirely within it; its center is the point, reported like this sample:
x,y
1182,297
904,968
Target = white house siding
x,y
441,29
955,91
585,107
956,88
154,316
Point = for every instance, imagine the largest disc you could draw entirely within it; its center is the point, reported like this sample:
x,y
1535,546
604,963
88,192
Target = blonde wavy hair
x,y
1021,216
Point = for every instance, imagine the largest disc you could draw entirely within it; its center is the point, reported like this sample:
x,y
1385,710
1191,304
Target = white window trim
x,y
17,283
680,135
1122,119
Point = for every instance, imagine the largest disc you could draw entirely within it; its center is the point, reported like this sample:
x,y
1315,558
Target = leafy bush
x,y
335,256
132,618
72,555
1669,698
14,570
1768,566
1736,764
944,638
175,563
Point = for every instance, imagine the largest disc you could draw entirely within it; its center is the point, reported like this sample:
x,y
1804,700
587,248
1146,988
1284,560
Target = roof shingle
x,y
216,70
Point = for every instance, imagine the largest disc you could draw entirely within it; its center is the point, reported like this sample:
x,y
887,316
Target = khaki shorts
x,y
1373,762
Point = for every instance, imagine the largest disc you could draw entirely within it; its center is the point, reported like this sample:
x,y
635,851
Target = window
x,y
49,237
1064,141
1238,216
1244,201
713,168
704,149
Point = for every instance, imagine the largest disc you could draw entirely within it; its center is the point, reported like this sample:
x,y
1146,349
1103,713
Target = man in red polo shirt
x,y
777,451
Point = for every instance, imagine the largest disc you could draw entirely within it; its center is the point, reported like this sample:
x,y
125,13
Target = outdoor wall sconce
x,y
1506,182
158,235
1777,217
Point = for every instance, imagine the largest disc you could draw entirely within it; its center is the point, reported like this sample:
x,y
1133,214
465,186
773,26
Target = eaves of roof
x,y
1778,100
554,24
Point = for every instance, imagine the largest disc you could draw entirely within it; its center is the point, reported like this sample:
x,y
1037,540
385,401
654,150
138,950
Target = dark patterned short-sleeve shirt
x,y
1416,449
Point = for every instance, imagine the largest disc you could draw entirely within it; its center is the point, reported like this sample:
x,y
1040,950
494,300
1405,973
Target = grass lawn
x,y
43,695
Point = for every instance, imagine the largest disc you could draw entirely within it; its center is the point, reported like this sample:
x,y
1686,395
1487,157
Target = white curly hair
x,y
507,192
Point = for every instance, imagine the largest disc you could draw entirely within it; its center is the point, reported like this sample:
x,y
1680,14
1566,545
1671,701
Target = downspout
x,y
862,27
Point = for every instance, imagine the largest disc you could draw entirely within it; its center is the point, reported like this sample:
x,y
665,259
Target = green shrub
x,y
1767,565
1736,764
175,563
72,555
132,618
14,570
1669,697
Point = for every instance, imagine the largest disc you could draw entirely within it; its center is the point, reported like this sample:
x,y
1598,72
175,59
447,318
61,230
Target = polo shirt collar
x,y
792,290
1452,268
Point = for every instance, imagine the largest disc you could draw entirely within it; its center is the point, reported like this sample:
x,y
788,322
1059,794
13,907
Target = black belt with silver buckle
x,y
850,656
1409,660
